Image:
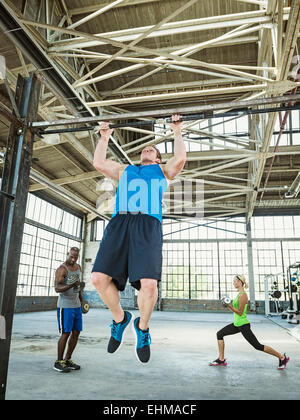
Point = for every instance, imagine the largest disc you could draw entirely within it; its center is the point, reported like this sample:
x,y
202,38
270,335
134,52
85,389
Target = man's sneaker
x,y
283,363
71,365
143,341
218,362
117,330
60,366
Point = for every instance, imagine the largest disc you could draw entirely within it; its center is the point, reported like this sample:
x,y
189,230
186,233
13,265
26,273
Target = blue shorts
x,y
131,247
69,319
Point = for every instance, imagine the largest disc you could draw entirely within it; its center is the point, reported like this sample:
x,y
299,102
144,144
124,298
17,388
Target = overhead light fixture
x,y
51,138
294,188
106,185
164,206
2,68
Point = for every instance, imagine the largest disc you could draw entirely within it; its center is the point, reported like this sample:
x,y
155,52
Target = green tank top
x,y
239,320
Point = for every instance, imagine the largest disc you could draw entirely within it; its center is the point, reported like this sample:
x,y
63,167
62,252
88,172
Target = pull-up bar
x,y
169,120
203,111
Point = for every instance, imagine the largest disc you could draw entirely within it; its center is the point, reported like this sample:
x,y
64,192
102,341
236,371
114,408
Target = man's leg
x,y
63,319
71,347
147,299
72,344
109,294
62,342
60,364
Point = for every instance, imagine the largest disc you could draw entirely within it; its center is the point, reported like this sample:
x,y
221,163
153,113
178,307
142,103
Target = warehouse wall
x,y
208,306
128,298
35,303
48,303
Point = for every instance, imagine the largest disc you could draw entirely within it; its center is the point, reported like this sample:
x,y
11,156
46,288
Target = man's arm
x,y
80,292
174,165
60,275
108,167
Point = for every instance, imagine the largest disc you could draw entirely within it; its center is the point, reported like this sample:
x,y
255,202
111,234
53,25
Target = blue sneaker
x,y
143,341
117,330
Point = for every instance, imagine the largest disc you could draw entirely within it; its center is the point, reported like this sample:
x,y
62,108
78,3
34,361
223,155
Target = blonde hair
x,y
242,278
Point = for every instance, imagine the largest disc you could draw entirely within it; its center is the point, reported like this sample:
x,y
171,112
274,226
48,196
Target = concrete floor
x,y
183,344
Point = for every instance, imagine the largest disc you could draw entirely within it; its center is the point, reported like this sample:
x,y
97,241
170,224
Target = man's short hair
x,y
158,154
74,248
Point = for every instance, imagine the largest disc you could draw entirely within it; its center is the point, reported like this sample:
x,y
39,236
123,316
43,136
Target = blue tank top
x,y
141,189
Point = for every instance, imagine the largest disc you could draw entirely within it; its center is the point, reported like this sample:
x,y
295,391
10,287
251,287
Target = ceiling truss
x,y
129,65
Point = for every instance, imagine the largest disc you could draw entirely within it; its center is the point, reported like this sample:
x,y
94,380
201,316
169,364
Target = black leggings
x,y
245,330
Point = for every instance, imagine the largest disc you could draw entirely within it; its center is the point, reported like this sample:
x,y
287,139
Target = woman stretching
x,y
242,324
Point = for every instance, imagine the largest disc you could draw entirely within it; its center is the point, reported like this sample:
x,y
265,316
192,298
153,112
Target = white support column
x,y
250,268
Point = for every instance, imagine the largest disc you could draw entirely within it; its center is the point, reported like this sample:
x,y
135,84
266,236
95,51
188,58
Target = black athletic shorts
x,y
131,247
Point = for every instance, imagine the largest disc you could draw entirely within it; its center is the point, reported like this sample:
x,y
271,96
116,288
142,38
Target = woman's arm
x,y
243,300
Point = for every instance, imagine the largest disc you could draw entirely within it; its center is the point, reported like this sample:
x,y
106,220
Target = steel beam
x,y
167,111
285,63
250,268
191,26
9,116
65,193
127,125
15,182
57,82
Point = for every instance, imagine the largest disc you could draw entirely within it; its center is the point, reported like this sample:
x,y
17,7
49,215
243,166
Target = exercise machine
x,y
292,314
273,282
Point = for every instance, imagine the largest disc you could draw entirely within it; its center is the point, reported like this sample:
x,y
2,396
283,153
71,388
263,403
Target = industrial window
x,y
41,211
196,141
202,229
275,226
200,258
49,232
201,270
272,257
291,131
97,229
199,262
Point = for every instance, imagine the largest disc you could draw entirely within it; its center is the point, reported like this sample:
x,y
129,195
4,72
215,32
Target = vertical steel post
x,y
219,272
15,182
190,284
250,268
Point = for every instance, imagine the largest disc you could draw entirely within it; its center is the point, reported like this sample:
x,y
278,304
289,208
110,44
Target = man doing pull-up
x,y
131,246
